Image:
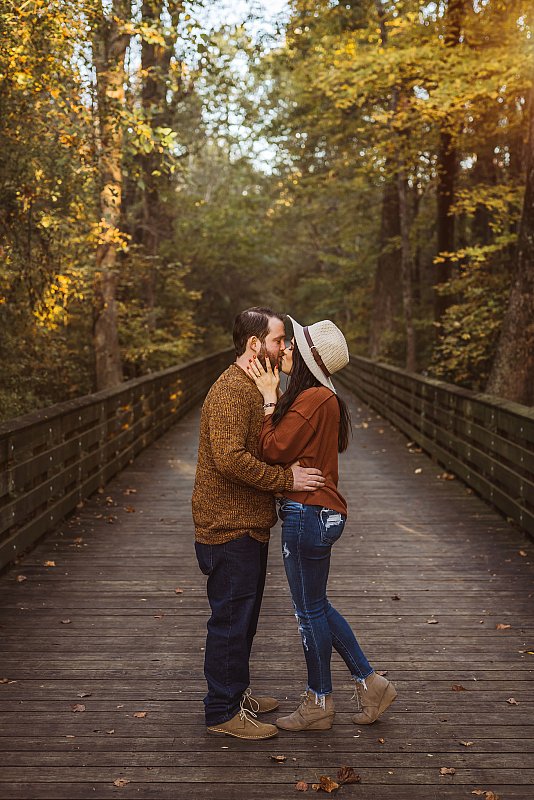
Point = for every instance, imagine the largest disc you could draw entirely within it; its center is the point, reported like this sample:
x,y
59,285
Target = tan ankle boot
x,y
312,714
243,726
374,695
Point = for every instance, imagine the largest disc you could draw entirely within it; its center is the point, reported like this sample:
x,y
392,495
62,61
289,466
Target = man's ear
x,y
254,344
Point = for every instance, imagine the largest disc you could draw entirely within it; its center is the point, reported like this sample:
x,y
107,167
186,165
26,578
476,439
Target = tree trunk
x,y
387,295
387,301
406,271
512,374
109,49
447,167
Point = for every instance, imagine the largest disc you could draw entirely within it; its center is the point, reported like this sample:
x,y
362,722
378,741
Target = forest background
x,y
162,167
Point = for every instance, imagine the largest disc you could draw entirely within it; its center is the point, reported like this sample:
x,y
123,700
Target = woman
x,y
309,423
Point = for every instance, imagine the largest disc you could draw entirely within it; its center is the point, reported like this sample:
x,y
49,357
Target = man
x,y
233,511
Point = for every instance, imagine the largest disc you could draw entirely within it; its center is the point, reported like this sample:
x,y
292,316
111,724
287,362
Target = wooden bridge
x,y
103,622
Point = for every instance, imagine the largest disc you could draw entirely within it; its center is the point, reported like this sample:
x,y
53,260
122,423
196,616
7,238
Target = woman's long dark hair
x,y
300,379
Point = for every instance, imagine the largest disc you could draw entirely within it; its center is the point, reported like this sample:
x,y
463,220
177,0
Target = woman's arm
x,y
285,442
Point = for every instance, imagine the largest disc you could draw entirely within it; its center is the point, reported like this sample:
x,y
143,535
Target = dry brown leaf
x,y
486,793
129,509
4,680
278,758
501,626
447,771
395,597
457,687
21,578
326,784
140,714
84,694
65,621
111,731
178,591
467,744
159,616
381,741
49,564
522,553
346,774
78,707
512,701
120,782
301,786
78,540
432,621
130,491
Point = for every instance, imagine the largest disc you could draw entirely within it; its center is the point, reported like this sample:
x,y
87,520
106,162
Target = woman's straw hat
x,y
323,348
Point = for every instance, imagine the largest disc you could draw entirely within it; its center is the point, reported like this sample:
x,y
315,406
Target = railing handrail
x,y
460,391
55,457
487,441
48,413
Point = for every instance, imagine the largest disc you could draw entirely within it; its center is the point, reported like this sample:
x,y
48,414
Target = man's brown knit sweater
x,y
233,494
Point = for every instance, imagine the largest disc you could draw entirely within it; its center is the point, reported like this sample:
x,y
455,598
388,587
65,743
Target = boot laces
x,y
359,688
251,701
245,714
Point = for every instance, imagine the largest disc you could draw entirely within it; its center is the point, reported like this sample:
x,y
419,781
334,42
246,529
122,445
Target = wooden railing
x,y
486,441
52,459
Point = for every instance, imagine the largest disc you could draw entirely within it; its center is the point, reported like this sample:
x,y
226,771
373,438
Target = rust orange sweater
x,y
233,493
308,432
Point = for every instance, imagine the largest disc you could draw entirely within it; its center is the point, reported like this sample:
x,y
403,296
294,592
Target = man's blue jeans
x,y
236,578
308,533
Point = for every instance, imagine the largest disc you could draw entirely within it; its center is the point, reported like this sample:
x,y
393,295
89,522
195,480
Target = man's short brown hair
x,y
252,322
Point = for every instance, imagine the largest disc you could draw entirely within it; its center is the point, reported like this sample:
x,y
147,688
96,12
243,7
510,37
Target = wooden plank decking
x,y
105,629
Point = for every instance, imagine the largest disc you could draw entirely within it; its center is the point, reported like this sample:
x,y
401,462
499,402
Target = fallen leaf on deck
x,y
130,491
395,597
467,744
49,564
381,741
129,509
120,782
65,621
326,784
486,793
418,471
301,786
178,591
457,687
21,578
523,553
432,621
501,626
278,758
159,616
346,774
78,707
84,694
140,714
447,771
111,731
512,701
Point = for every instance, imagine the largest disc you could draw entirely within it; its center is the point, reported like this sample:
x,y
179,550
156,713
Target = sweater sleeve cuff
x,y
288,485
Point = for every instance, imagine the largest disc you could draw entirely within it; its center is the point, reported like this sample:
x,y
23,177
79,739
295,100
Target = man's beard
x,y
263,354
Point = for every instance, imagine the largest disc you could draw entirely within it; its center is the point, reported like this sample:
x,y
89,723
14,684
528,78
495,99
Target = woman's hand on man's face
x,y
266,379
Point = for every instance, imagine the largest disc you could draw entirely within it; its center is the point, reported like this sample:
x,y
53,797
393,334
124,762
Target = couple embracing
x,y
256,446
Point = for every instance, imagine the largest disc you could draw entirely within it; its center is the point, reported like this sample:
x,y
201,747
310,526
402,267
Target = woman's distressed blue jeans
x,y
308,533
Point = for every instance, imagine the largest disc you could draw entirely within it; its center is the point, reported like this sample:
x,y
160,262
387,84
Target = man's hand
x,y
306,479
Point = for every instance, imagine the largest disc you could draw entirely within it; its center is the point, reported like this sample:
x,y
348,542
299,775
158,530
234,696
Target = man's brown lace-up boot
x,y
313,714
373,696
244,726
